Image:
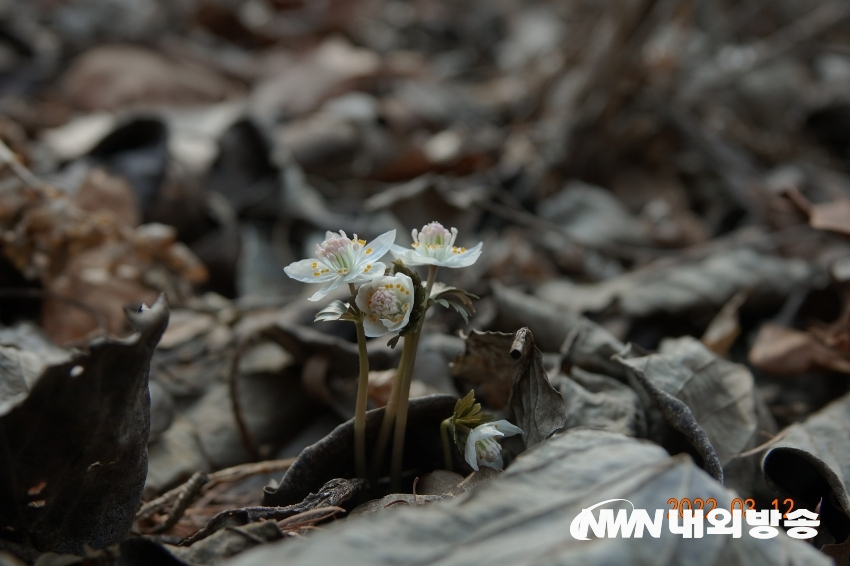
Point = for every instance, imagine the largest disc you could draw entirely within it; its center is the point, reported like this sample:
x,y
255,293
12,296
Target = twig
x,y
189,492
232,474
332,494
309,517
241,426
8,158
764,446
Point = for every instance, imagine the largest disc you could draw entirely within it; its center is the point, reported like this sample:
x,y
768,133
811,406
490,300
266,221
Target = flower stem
x,y
388,421
432,276
411,343
447,448
362,398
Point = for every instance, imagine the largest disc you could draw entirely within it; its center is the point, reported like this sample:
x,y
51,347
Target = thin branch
x,y
8,158
241,425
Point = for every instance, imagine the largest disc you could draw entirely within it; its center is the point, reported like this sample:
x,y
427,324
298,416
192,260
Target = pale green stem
x,y
387,422
447,448
362,398
432,276
411,343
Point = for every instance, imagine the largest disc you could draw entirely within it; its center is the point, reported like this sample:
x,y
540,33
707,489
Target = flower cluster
x,y
385,301
394,303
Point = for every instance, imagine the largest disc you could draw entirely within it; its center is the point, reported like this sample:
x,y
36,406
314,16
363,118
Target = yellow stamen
x,y
368,251
315,265
316,274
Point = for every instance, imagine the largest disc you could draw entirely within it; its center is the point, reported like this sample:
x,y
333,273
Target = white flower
x,y
482,447
434,245
342,260
386,303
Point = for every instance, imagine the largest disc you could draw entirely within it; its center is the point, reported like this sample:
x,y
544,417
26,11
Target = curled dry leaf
x,y
535,406
711,401
811,464
676,413
74,449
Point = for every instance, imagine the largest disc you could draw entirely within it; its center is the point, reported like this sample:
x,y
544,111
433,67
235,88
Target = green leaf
x,y
464,404
334,311
458,299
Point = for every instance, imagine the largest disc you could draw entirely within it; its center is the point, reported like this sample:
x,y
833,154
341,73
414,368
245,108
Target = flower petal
x,y
464,259
305,272
377,270
374,329
469,453
497,464
399,252
362,298
379,246
412,257
506,428
321,293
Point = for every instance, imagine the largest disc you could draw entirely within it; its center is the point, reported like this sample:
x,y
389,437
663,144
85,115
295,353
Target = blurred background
x,y
665,167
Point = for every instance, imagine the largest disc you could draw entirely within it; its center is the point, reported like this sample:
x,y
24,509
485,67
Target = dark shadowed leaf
x,y
486,364
535,406
523,517
73,452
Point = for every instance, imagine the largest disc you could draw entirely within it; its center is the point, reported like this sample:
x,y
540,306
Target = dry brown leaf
x,y
296,86
782,350
91,264
724,329
102,191
833,216
113,76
